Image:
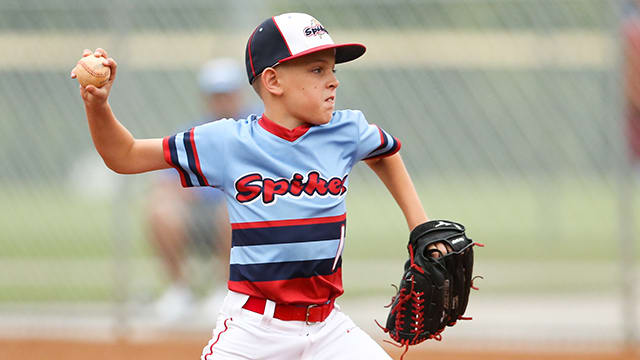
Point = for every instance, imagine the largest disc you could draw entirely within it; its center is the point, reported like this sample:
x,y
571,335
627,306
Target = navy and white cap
x,y
290,36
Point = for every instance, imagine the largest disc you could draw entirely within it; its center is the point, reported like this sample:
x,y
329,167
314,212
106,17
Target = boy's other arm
x,y
394,175
120,151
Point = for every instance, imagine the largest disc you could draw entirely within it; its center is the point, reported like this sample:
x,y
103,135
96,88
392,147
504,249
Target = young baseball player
x,y
285,176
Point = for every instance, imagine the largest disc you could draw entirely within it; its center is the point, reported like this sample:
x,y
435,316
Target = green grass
x,y
573,220
58,247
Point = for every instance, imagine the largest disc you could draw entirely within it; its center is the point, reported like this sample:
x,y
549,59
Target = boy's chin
x,y
319,120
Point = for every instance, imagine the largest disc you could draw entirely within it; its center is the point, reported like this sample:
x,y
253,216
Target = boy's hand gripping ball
x,y
91,71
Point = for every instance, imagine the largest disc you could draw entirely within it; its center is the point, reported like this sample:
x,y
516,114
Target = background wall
x,y
512,122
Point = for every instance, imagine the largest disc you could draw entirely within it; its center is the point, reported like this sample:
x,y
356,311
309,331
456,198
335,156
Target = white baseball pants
x,y
244,334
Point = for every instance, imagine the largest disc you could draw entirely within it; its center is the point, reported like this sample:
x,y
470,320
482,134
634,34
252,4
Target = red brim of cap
x,y
344,52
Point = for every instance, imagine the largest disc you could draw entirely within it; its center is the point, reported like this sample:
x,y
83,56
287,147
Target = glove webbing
x,y
417,310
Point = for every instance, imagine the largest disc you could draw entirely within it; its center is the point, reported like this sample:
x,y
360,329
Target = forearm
x,y
394,175
118,148
111,139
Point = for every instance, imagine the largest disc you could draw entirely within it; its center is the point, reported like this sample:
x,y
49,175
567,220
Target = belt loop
x,y
267,316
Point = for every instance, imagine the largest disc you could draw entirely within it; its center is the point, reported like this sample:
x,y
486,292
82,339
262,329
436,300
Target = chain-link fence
x,y
511,114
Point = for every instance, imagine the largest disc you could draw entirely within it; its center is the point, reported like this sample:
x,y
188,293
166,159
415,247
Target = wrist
x,y
97,107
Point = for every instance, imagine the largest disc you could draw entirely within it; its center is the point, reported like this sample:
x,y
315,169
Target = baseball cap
x,y
289,36
222,75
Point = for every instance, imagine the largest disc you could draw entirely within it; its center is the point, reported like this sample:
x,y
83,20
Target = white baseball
x,y
91,71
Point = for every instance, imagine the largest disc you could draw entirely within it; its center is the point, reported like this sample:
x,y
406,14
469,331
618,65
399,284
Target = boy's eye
x,y
317,70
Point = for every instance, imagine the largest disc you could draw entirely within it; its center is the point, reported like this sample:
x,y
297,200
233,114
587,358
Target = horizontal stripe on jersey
x,y
304,291
286,234
289,222
282,270
277,253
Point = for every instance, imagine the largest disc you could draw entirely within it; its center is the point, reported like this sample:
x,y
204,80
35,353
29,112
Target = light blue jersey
x,y
285,192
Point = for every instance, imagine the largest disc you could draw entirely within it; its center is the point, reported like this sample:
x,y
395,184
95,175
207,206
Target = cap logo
x,y
316,29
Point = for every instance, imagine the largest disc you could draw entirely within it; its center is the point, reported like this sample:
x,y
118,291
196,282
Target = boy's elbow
x,y
118,167
113,167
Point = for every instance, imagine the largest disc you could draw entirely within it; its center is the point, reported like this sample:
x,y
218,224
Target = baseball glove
x,y
434,291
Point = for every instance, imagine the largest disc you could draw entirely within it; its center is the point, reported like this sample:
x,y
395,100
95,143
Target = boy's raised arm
x,y
120,151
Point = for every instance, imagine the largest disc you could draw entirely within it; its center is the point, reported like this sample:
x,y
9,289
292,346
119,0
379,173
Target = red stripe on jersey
x,y
195,156
381,136
167,158
281,131
392,151
290,222
300,291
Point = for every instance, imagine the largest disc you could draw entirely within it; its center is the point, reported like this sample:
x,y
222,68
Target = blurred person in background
x,y
180,219
631,32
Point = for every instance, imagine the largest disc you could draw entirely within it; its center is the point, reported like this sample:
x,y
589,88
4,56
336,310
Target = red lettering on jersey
x,y
272,188
335,186
315,184
295,188
247,192
251,186
343,189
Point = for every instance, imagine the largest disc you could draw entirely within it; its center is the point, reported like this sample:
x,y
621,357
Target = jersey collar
x,y
281,131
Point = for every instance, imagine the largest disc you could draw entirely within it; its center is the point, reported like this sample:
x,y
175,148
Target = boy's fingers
x,y
73,75
434,254
441,247
100,52
86,52
114,67
91,89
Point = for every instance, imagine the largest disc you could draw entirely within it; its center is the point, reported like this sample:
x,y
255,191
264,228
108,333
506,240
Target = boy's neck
x,y
282,118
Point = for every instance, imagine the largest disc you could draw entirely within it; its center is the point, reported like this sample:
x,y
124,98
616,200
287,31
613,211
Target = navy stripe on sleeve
x,y
385,142
381,152
191,159
176,163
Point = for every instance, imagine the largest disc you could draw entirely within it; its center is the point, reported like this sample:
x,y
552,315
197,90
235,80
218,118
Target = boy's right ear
x,y
270,81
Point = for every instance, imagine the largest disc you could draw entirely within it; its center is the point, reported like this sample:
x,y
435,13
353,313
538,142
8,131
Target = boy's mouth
x,y
330,99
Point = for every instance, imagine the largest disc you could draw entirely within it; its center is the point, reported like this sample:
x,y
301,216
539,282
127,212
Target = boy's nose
x,y
334,83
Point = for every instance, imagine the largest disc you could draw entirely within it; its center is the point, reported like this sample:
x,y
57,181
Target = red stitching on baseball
x,y
89,70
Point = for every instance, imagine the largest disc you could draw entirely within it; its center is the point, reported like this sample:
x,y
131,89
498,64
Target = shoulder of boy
x,y
348,115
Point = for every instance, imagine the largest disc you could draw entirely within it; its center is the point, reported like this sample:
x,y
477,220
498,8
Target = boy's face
x,y
309,86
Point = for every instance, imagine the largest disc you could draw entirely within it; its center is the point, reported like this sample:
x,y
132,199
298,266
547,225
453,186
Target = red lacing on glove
x,y
403,298
418,308
413,263
473,279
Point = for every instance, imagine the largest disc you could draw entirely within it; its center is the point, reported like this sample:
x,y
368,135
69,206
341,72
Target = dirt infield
x,y
179,350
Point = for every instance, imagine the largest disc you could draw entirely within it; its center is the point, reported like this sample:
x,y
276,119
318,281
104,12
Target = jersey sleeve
x,y
373,142
198,154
